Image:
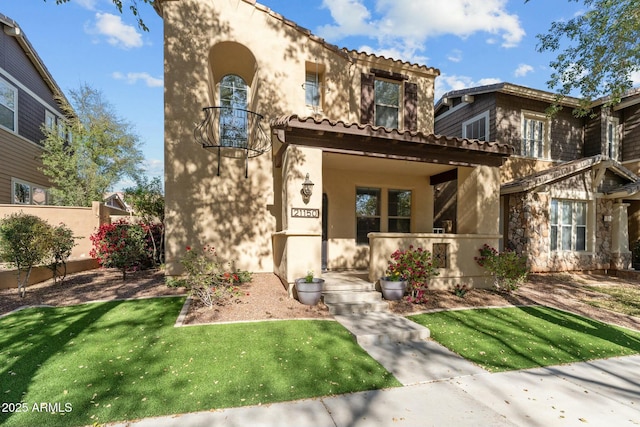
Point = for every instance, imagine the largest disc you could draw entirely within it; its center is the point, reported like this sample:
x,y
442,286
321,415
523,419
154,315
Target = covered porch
x,y
376,190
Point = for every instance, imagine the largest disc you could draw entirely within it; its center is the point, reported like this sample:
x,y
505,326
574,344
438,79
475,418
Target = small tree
x,y
147,201
24,243
61,242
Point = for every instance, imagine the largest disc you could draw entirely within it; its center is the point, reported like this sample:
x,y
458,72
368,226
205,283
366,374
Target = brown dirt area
x,y
266,298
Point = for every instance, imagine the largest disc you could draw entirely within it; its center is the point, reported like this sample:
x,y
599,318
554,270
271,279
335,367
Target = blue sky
x,y
472,42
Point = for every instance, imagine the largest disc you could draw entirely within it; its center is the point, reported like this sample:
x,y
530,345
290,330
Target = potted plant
x,y
393,285
415,268
309,289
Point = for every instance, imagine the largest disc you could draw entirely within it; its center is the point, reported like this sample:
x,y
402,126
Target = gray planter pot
x,y
393,290
309,293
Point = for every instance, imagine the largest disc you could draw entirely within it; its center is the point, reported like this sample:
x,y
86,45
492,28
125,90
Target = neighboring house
x,y
570,186
311,156
29,99
116,200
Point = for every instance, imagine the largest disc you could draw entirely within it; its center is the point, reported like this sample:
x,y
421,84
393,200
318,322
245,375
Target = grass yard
x,y
504,339
104,362
621,299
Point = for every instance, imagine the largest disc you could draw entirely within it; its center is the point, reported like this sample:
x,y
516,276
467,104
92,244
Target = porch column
x,y
479,200
620,253
297,247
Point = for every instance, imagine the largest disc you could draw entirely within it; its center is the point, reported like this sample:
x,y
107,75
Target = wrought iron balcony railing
x,y
234,132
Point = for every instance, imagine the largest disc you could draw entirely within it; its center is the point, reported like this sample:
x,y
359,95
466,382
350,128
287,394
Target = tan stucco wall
x,y
340,186
82,221
462,269
206,39
517,167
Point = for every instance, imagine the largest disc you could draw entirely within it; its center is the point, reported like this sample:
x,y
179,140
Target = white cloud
x,y
117,32
133,78
523,70
409,23
446,83
635,78
87,4
455,55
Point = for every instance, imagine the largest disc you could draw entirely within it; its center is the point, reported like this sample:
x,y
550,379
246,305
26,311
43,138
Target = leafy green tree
x,y
24,243
95,150
599,51
147,201
61,241
132,6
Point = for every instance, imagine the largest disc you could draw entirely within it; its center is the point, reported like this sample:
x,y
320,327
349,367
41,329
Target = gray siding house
x,y
29,99
570,194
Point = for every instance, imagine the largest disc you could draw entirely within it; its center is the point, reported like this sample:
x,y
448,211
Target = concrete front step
x,y
351,297
359,308
382,327
347,286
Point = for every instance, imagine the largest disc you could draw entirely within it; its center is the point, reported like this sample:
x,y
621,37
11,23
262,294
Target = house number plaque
x,y
305,213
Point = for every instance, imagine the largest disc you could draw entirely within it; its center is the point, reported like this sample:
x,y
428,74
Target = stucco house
x,y
29,99
570,192
289,154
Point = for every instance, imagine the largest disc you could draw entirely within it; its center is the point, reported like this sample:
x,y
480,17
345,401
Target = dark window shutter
x,y
367,99
411,106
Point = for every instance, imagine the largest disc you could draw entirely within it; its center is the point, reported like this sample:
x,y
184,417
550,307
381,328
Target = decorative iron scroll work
x,y
441,255
234,132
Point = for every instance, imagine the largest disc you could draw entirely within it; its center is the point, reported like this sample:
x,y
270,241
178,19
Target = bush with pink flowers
x,y
415,265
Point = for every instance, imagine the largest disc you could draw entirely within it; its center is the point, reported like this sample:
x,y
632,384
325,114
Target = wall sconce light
x,y
608,218
307,189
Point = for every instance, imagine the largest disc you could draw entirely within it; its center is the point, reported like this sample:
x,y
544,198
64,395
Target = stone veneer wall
x,y
529,234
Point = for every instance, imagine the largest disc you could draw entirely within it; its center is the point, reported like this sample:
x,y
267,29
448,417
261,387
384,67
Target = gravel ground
x,y
266,298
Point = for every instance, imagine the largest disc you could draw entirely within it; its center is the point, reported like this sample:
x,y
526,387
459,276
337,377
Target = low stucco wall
x,y
83,221
461,250
8,278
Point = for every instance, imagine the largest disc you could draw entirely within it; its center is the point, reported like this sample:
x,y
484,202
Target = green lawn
x,y
622,299
116,361
525,337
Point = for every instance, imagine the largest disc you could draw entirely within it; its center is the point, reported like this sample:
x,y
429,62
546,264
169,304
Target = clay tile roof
x,y
289,122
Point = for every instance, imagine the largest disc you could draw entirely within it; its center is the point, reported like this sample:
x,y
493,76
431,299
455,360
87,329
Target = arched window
x,y
233,112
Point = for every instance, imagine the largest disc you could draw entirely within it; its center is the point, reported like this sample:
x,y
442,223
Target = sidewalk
x,y
597,393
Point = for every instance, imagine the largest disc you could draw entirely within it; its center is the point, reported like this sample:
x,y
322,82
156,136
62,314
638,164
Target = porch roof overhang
x,y
598,165
377,141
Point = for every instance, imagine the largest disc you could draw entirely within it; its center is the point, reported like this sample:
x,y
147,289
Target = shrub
x,y
509,270
120,245
207,279
62,242
416,267
461,290
24,244
635,253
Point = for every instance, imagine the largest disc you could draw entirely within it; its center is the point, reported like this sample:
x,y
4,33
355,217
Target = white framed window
x,y
387,104
8,106
49,120
399,211
568,222
613,137
477,127
312,83
535,135
26,193
234,95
